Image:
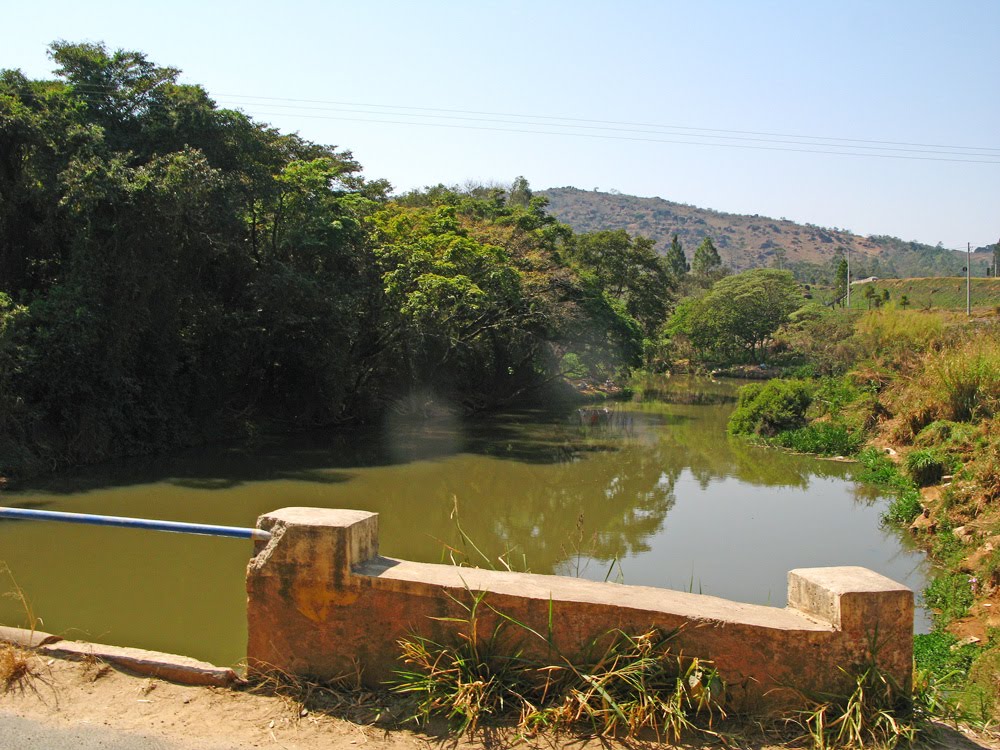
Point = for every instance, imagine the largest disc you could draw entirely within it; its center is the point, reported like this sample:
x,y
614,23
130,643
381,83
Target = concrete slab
x,y
171,667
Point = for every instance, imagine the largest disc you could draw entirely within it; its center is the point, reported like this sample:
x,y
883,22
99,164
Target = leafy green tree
x,y
629,271
706,258
739,314
675,259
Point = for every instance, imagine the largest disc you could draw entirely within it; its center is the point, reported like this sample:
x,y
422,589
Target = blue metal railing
x,y
136,523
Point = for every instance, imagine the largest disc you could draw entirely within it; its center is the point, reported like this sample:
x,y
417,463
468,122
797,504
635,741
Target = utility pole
x,y
968,278
848,277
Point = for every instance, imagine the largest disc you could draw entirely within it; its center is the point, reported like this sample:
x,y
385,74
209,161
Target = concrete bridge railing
x,y
323,603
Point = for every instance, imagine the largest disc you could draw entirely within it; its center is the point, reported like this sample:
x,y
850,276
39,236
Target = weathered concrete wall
x,y
323,603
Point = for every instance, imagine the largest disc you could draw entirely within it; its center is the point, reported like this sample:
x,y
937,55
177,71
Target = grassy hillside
x,y
943,293
753,241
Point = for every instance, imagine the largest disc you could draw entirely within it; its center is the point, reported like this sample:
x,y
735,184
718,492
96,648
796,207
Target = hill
x,y
753,241
941,293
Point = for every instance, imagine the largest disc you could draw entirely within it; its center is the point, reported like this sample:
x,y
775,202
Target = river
x,y
646,492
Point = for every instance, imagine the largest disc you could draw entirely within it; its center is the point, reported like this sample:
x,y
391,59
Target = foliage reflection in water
x,y
652,491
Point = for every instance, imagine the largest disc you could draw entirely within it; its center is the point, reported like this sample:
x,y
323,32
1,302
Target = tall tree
x,y
840,280
675,259
706,258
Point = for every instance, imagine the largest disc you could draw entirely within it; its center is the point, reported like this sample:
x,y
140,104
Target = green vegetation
x,y
821,438
769,408
927,466
736,318
172,272
936,292
927,384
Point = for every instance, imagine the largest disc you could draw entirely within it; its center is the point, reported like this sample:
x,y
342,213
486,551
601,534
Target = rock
x,y
967,641
964,534
923,523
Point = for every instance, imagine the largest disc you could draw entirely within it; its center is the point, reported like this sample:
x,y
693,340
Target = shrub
x,y
769,408
927,465
943,432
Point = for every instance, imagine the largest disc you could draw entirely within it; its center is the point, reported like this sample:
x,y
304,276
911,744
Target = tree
x,y
739,314
628,270
870,294
840,280
706,258
675,259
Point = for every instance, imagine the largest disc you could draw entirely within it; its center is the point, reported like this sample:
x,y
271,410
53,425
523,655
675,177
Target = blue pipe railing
x,y
136,523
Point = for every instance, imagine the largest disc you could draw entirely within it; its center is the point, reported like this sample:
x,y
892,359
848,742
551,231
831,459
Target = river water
x,y
649,492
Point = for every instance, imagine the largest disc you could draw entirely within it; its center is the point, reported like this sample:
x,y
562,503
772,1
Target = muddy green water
x,y
650,493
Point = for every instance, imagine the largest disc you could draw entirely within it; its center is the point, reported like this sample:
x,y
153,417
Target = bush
x,y
927,465
772,407
822,438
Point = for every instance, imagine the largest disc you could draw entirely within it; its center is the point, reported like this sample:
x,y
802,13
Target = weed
x,y
484,674
949,595
477,678
875,713
967,379
904,508
822,438
937,653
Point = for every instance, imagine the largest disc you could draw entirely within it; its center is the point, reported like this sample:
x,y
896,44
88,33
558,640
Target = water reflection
x,y
654,489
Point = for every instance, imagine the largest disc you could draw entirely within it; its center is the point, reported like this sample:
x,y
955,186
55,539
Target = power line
x,y
635,138
611,122
629,127
633,130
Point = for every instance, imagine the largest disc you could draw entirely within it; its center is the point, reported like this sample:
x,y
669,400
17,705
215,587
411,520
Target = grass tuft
x,y
483,675
876,713
15,668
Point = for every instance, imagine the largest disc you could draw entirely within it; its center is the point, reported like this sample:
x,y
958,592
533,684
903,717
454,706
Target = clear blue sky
x,y
905,72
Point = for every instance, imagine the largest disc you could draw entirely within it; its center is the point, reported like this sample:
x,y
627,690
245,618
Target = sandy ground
x,y
82,696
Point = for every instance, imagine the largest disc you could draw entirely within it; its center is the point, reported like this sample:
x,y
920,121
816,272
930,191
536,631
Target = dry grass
x,y
15,668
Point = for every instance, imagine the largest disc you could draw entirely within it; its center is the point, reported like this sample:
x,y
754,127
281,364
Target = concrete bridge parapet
x,y
323,603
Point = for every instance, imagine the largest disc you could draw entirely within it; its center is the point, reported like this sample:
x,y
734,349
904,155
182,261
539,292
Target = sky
x,y
880,117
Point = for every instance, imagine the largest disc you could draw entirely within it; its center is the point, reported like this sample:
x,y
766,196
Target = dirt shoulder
x,y
90,696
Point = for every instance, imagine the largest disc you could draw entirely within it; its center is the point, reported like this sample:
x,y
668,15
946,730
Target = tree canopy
x,y
172,272
739,314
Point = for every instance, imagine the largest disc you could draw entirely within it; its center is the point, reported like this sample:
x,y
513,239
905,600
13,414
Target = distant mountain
x,y
751,241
